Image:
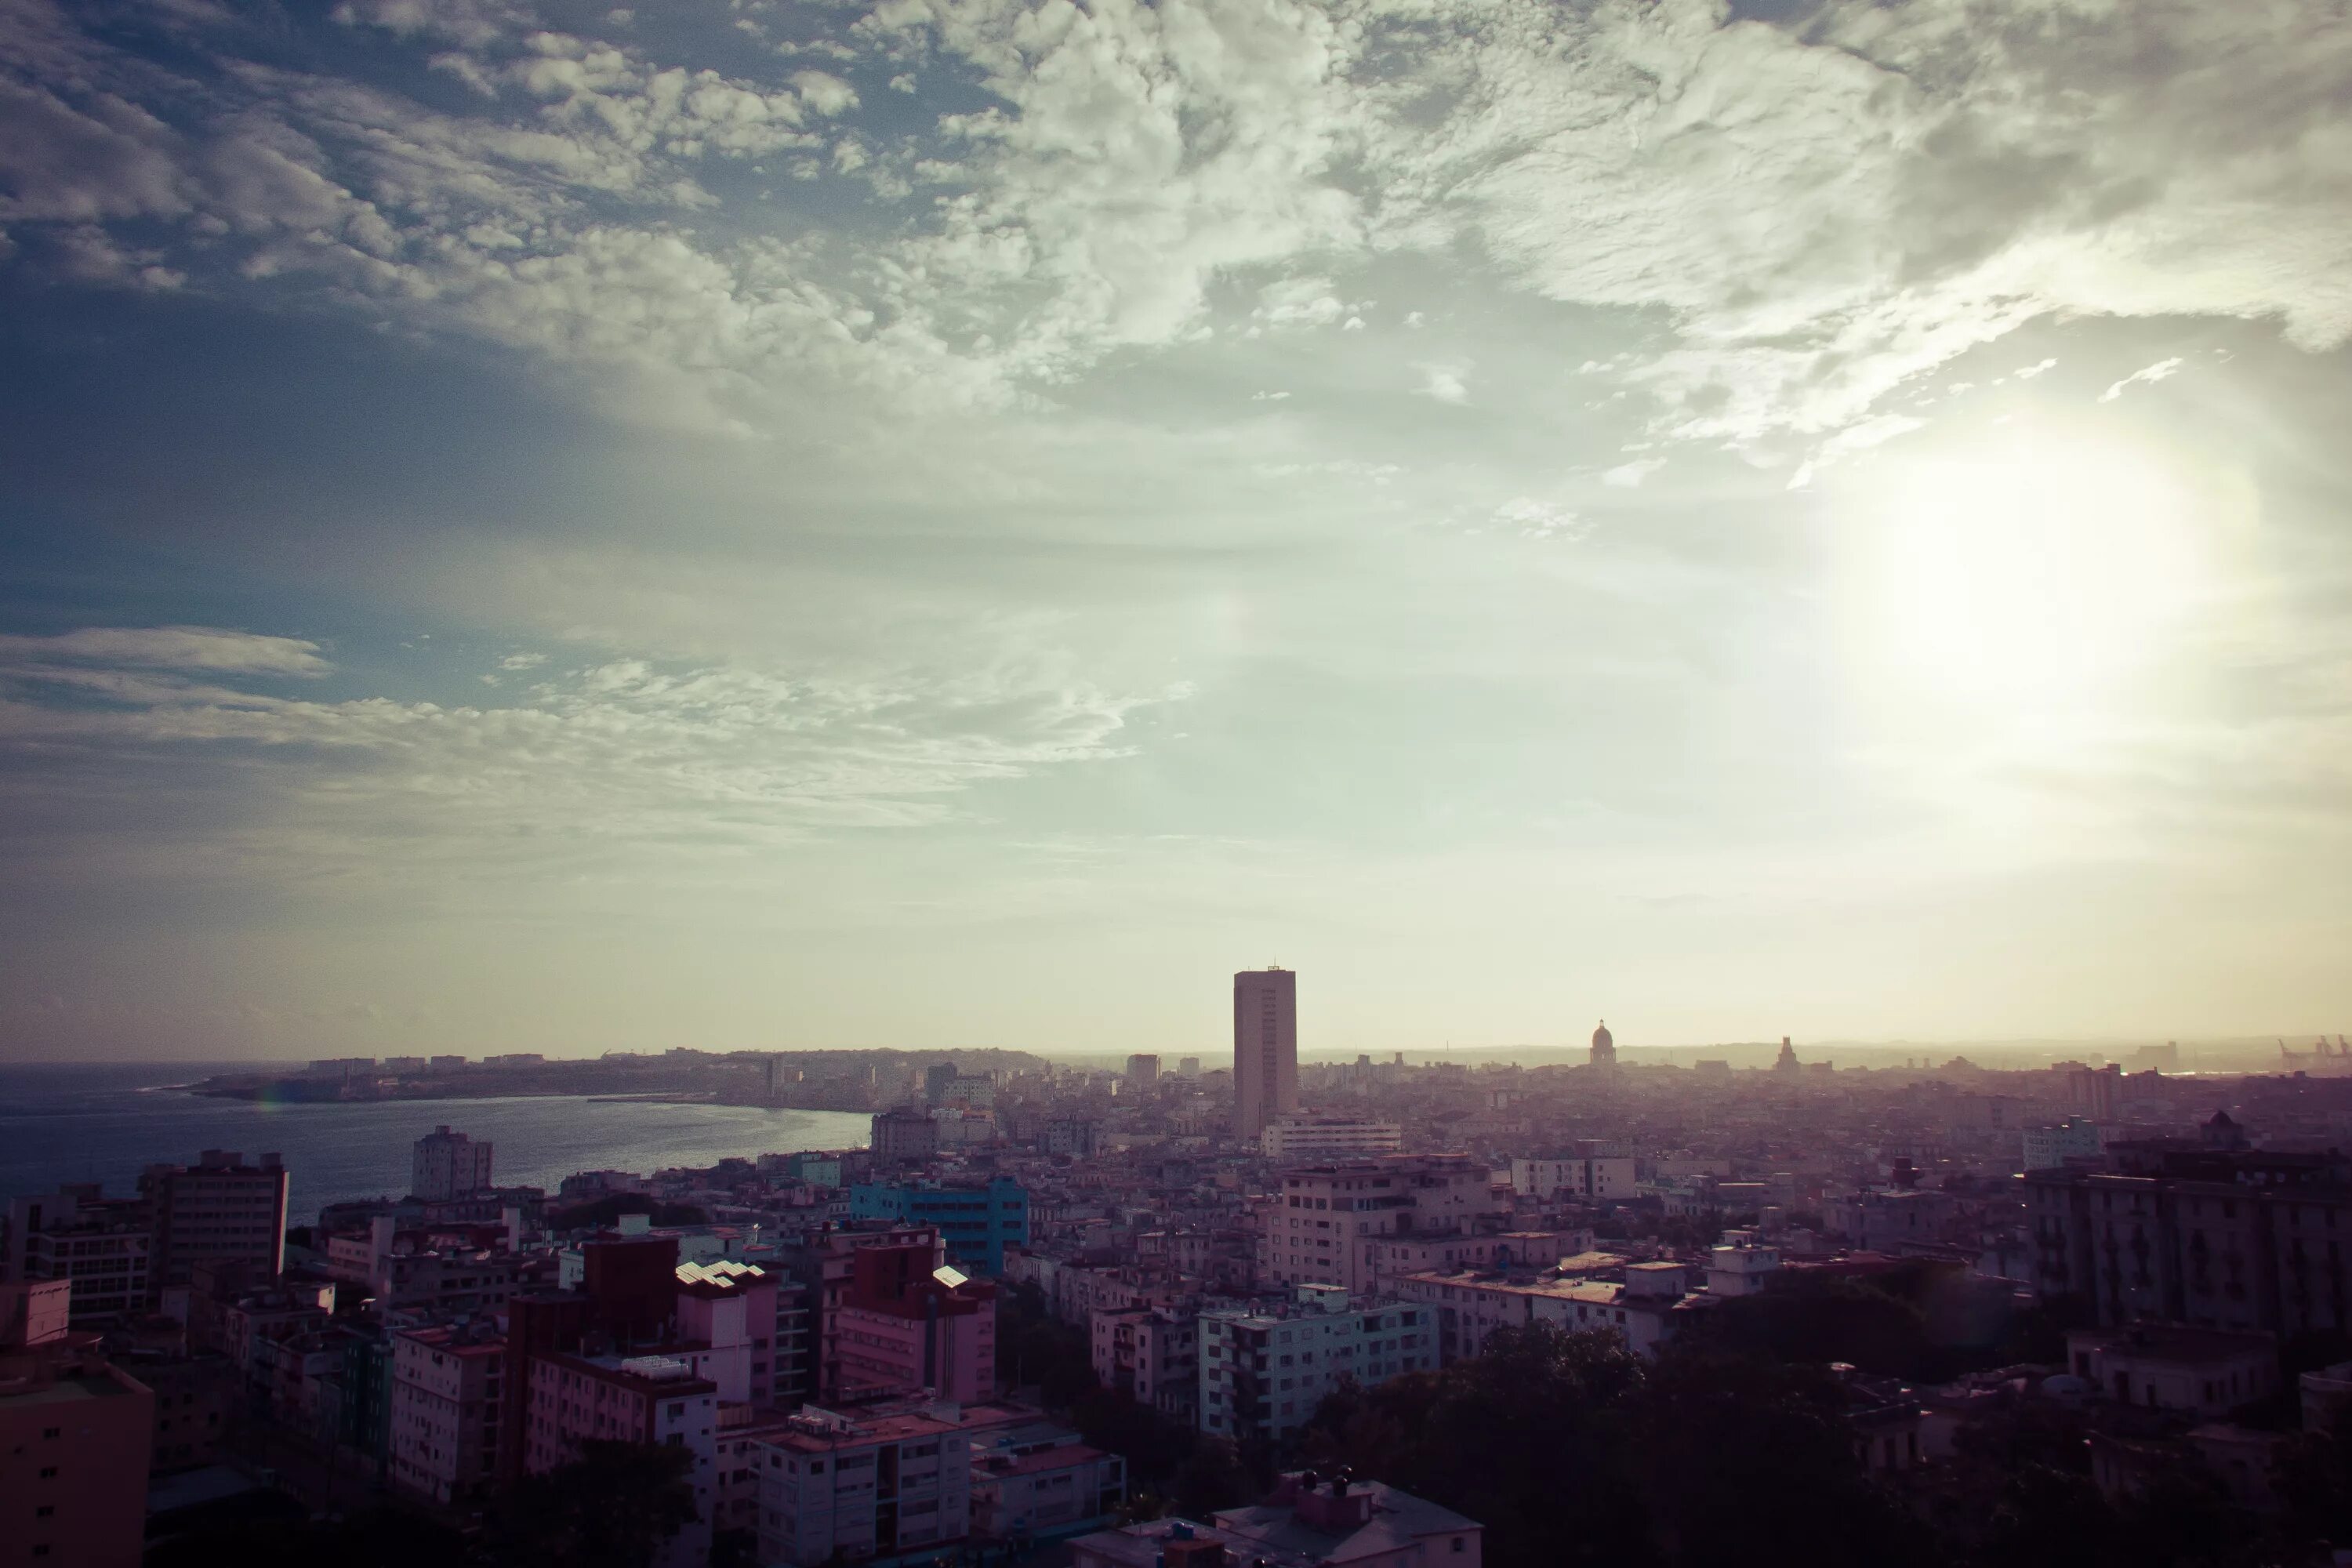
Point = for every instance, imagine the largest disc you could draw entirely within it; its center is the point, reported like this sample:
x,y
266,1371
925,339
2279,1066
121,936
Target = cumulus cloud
x,y
1445,383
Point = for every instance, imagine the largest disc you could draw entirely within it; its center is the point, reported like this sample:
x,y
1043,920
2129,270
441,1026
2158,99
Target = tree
x,y
611,1508
1035,1347
1533,1428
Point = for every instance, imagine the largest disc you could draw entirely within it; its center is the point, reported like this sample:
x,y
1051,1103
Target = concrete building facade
x,y
1322,1227
1262,1371
445,1165
1266,1049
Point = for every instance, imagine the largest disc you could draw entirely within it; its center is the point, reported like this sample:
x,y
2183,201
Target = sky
x,y
931,524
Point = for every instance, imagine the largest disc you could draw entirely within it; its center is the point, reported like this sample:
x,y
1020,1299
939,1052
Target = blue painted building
x,y
977,1222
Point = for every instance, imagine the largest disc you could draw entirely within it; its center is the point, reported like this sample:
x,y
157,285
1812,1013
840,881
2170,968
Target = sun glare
x,y
2036,574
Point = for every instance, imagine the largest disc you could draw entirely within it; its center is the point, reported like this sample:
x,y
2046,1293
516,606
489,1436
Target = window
x,y
1460,1545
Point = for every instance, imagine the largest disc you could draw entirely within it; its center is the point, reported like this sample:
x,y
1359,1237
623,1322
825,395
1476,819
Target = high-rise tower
x,y
1266,1048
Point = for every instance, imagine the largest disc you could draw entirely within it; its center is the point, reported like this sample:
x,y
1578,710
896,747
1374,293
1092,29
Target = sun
x,y
2035,572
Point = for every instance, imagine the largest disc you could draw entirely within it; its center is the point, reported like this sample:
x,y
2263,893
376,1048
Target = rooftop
x,y
2169,1342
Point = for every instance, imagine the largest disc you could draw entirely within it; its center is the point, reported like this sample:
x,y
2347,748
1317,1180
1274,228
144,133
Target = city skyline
x,y
548,526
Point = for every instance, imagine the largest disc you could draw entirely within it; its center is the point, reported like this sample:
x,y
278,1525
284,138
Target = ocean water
x,y
104,1124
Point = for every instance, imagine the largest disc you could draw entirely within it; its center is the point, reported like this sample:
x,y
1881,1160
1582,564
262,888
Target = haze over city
x,y
566,528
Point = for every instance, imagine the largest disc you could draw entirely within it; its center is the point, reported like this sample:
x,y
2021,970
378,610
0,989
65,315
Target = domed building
x,y
1604,1047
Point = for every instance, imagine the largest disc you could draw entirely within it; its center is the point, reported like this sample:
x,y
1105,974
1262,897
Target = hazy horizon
x,y
1214,1058
534,526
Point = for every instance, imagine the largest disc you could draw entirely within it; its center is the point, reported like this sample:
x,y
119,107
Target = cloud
x,y
1445,383
1816,215
1629,476
206,649
2162,370
1537,518
522,661
622,751
824,93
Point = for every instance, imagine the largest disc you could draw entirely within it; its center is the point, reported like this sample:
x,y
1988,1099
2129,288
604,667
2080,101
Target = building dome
x,y
1604,1047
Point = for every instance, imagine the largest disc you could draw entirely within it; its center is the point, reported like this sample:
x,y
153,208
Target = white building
x,y
1320,1229
1741,1269
1589,1178
448,1393
1329,1137
1264,1372
1033,1480
883,1482
1640,1309
447,1166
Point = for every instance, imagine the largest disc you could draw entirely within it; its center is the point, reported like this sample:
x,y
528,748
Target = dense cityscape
x,y
1238,1310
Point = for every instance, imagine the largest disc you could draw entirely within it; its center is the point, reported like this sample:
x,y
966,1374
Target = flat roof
x,y
2175,1341
68,1389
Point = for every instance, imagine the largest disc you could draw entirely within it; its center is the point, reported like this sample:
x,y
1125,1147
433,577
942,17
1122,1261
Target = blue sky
x,y
746,524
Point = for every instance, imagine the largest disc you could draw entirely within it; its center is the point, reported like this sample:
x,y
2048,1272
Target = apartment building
x,y
1450,1252
219,1208
2048,1148
825,1263
75,1437
445,1165
1034,1480
1320,1229
1151,1354
745,1330
1643,1308
884,1482
448,1393
100,1245
902,1136
2223,1239
1264,1371
977,1221
633,1399
904,1327
1593,1175
1329,1137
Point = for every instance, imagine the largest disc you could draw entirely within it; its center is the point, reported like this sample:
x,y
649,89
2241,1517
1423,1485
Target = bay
x,y
105,1122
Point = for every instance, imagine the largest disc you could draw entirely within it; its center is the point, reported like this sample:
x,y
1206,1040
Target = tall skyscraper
x,y
1266,1048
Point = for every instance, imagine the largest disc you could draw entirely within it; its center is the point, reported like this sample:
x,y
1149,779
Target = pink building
x,y
908,1327
829,1272
632,1399
725,1316
75,1438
